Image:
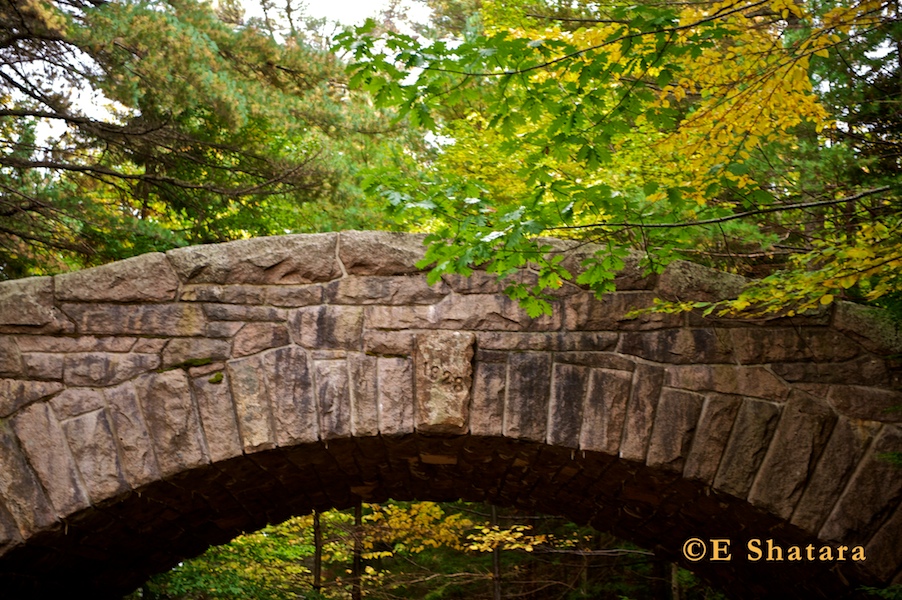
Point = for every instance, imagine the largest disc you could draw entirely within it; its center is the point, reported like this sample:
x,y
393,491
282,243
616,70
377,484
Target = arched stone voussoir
x,y
142,422
109,551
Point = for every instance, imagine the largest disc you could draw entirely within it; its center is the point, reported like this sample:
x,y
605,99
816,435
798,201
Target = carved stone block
x,y
444,372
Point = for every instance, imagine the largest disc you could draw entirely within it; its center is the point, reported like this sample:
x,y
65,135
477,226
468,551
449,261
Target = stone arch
x,y
155,406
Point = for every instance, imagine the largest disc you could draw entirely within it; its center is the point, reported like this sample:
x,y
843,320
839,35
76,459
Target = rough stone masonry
x,y
160,404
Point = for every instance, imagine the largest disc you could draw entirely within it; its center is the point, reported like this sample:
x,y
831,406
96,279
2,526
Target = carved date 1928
x,y
436,374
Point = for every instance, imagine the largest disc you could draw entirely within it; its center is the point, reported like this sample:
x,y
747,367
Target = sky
x,y
354,12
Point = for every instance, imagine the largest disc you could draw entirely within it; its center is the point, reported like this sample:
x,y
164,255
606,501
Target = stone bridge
x,y
155,406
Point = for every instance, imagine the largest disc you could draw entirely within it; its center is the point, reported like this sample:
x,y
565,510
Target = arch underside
x,y
109,549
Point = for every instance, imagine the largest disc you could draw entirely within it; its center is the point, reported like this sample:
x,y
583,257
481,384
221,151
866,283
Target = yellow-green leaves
x,y
690,130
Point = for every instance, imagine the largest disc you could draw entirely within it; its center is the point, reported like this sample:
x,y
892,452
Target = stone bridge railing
x,y
144,404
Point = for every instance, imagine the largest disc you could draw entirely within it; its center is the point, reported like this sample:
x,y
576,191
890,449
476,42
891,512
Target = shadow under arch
x,y
110,549
156,406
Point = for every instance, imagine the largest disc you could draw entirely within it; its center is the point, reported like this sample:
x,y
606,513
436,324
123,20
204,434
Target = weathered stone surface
x,y
333,396
804,428
27,301
767,345
490,356
16,393
145,278
140,319
20,490
842,453
327,354
10,536
224,294
873,491
391,343
194,351
585,312
487,404
683,280
571,384
812,318
884,550
757,382
240,312
289,259
256,337
94,449
294,295
867,403
678,346
172,421
43,365
380,252
207,369
77,401
676,419
444,373
864,370
872,327
599,360
529,390
104,368
82,343
252,406
333,327
605,410
474,311
139,462
395,396
364,395
713,432
571,341
640,412
217,415
45,445
10,357
286,372
482,282
753,429
222,329
384,290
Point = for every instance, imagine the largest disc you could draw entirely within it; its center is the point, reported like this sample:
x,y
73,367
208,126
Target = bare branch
x,y
733,217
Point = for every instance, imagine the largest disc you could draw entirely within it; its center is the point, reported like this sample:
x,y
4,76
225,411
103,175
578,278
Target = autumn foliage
x,y
713,131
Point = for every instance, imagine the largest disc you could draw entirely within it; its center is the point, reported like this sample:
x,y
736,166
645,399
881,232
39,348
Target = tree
x,y
130,126
417,550
682,130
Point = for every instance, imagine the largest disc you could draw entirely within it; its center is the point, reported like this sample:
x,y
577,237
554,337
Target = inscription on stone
x,y
444,372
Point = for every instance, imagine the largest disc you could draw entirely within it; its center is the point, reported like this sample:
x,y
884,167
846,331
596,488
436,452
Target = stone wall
x,y
141,400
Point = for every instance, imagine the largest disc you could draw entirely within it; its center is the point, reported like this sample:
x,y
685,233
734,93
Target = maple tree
x,y
702,130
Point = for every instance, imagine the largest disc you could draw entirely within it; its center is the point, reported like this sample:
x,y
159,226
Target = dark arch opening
x,y
110,549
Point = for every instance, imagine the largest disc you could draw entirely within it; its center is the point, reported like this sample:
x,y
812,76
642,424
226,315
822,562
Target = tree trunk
x,y
356,569
496,562
674,582
317,553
